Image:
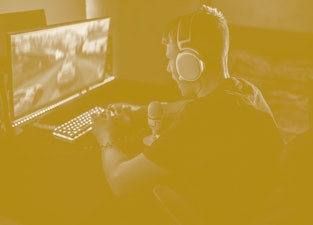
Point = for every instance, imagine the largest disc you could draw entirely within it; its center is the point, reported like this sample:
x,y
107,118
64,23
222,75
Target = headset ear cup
x,y
189,66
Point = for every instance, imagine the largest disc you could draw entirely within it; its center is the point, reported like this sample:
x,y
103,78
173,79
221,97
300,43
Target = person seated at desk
x,y
221,151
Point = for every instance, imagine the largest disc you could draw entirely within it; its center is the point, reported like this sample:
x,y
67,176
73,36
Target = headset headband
x,y
189,65
184,30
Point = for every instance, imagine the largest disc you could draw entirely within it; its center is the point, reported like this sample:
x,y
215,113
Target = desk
x,y
51,182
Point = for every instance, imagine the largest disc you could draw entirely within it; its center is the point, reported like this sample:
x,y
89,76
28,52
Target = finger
x,y
126,108
102,115
111,110
119,107
109,114
94,117
110,107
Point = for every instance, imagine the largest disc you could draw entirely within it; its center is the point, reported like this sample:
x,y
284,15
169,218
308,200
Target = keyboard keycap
x,y
78,126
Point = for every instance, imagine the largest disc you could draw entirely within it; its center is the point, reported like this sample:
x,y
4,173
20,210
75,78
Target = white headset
x,y
189,65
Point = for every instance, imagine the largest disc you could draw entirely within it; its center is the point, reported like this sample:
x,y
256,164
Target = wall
x,y
138,24
57,11
138,27
291,15
137,32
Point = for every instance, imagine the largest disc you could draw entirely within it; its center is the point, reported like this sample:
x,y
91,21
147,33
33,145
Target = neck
x,y
207,86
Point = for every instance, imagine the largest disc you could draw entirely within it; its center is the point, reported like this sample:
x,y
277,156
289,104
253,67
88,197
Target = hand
x,y
101,127
109,127
133,115
121,107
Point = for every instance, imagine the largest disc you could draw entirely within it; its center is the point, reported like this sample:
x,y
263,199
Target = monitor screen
x,y
55,65
10,22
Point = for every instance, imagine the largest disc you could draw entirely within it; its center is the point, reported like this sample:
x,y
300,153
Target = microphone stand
x,y
148,140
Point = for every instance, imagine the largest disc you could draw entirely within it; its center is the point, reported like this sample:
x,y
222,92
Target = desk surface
x,y
48,181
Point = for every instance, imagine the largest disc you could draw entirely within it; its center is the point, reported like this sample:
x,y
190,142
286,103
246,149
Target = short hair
x,y
208,30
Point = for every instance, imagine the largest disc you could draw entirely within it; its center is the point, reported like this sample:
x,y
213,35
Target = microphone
x,y
155,116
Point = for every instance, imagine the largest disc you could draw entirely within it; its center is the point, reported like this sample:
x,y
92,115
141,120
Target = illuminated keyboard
x,y
78,126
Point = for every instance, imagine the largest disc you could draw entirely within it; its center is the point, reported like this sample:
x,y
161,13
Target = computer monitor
x,y
13,21
55,65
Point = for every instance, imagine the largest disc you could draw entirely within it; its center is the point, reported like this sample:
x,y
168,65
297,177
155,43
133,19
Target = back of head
x,y
205,31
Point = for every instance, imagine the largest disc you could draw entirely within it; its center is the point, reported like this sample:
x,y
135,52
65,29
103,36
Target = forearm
x,y
126,175
123,173
112,158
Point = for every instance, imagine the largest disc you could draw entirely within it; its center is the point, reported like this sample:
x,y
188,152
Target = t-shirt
x,y
222,152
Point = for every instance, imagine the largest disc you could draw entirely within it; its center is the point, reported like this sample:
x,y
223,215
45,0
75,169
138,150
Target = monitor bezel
x,y
31,116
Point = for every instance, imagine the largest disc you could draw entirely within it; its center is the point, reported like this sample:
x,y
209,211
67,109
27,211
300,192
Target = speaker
x,y
189,64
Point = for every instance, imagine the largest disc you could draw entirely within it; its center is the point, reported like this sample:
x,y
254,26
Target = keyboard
x,y
77,126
